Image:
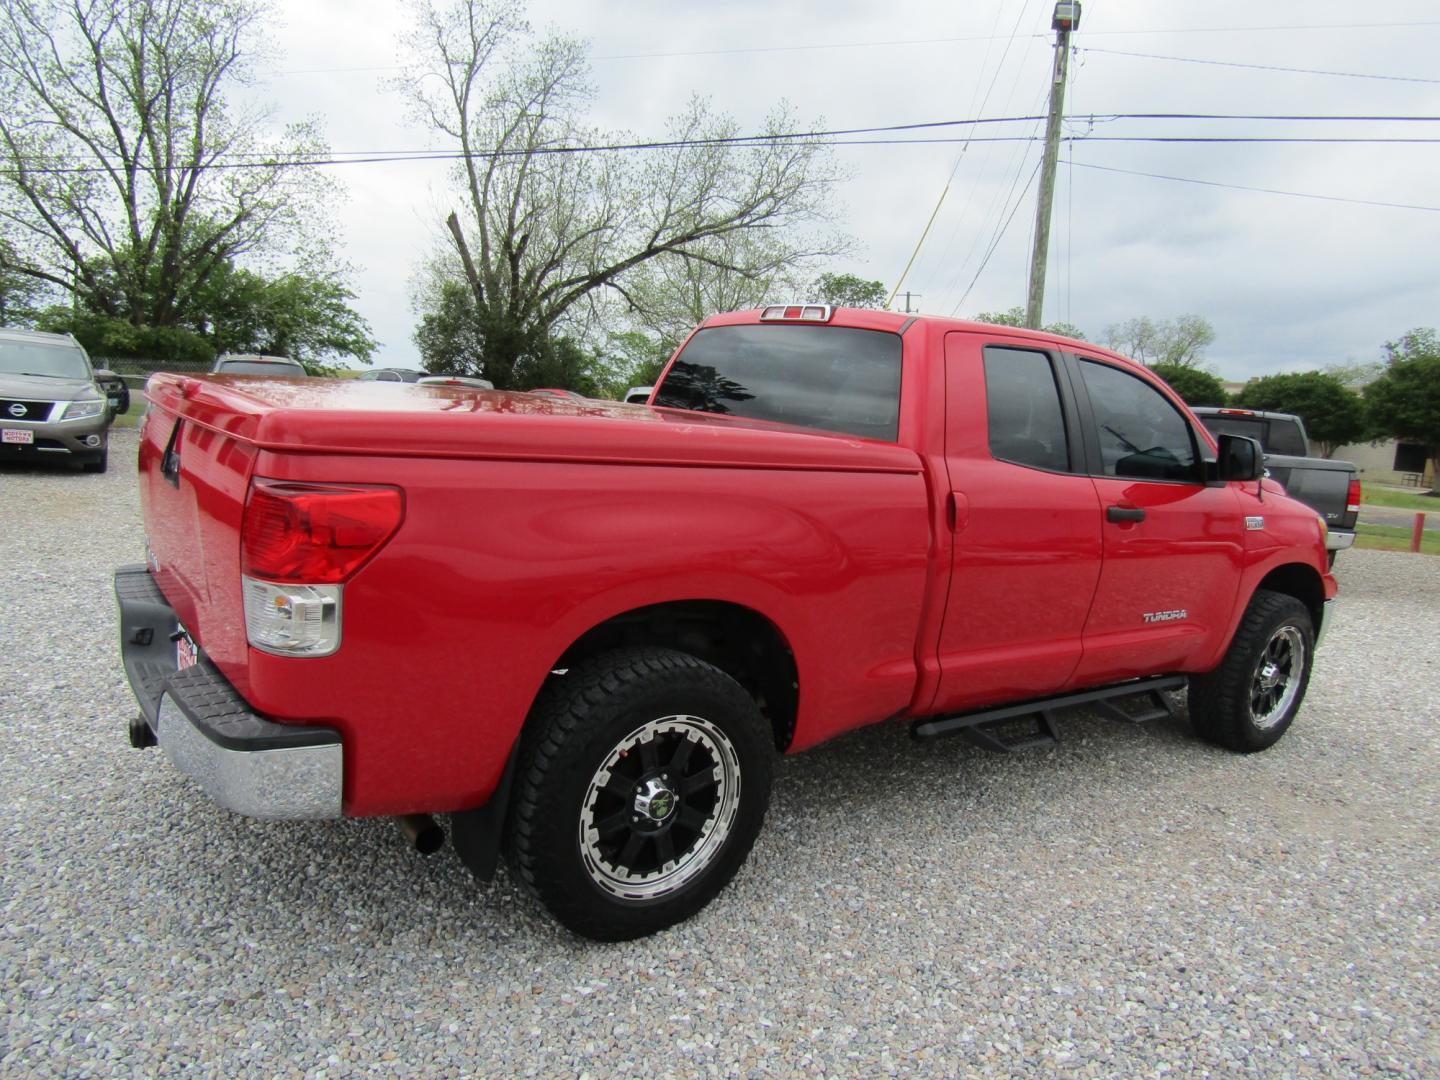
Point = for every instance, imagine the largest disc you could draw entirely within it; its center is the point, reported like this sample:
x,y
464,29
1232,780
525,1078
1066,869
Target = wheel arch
x,y
738,640
1303,583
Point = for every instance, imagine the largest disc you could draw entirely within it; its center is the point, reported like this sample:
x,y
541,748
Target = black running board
x,y
1032,723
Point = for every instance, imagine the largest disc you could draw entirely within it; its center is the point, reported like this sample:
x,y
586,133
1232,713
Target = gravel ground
x,y
1131,903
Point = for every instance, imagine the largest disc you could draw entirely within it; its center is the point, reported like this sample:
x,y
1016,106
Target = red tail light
x,y
318,534
1352,500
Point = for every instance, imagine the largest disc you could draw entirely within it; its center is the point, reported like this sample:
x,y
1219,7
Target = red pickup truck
x,y
583,629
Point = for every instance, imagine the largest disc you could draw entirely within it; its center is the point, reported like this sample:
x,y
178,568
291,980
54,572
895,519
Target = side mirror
x,y
116,389
1240,459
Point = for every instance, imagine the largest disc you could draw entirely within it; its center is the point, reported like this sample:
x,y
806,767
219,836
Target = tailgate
x,y
193,479
1319,483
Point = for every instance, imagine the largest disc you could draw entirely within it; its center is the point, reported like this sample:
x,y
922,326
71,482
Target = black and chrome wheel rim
x,y
1277,677
660,807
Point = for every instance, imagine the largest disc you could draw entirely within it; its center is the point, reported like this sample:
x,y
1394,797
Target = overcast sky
x,y
1289,283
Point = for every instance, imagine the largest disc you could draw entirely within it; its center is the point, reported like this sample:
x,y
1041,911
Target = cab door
x,y
1173,545
1024,523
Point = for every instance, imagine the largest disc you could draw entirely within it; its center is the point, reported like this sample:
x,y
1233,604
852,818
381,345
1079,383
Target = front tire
x,y
99,463
1249,701
642,784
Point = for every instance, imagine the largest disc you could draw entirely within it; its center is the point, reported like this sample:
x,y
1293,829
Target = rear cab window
x,y
1274,436
1027,424
834,378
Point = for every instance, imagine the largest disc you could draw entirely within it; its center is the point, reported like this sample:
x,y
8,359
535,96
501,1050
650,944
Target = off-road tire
x,y
582,729
1276,629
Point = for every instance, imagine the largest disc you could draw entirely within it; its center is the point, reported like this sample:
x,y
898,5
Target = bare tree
x,y
125,176
1180,342
668,296
544,228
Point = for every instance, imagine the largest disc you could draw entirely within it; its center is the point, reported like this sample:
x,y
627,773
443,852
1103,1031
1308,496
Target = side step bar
x,y
1032,723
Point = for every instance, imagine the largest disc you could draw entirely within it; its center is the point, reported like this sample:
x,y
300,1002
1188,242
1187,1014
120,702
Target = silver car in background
x,y
53,405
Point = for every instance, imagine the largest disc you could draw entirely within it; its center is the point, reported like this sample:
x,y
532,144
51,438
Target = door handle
x,y
1124,513
957,511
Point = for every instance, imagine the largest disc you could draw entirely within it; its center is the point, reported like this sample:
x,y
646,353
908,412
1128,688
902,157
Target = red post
x,y
1418,533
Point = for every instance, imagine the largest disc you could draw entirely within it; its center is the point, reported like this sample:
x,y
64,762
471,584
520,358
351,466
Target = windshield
x,y
257,367
830,377
35,358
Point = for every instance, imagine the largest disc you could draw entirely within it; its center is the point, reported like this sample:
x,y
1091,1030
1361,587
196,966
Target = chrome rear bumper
x,y
1339,541
243,761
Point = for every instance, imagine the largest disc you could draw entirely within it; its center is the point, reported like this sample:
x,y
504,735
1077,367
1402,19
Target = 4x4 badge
x,y
1254,524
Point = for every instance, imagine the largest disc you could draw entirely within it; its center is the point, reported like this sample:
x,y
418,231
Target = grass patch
x,y
132,418
1379,496
1390,538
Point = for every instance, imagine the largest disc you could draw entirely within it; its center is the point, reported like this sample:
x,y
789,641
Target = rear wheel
x,y
1249,701
641,787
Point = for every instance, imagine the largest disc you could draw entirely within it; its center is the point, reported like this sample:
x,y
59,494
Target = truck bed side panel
x,y
499,566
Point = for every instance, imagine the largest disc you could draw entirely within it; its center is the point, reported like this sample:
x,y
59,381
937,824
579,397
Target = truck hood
x,y
45,387
344,416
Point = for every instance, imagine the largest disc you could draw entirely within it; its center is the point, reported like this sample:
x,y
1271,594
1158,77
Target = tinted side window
x,y
831,377
1026,424
1141,434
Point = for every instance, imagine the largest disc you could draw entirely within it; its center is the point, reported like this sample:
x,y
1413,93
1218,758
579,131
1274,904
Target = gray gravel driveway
x,y
1130,903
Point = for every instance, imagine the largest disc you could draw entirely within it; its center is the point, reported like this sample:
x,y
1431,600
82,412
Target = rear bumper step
x,y
243,761
1032,723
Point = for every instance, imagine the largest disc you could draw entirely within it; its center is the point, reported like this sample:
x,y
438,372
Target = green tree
x,y
448,335
118,141
1195,386
632,359
1179,341
107,336
541,232
1404,402
668,297
1333,413
1016,317
847,290
306,317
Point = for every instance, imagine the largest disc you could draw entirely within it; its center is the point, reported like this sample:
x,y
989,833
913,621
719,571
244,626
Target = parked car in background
x,y
391,374
457,380
53,404
1330,488
254,364
563,395
638,395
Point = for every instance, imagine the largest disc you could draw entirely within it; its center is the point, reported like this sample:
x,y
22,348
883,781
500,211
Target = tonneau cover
x,y
344,416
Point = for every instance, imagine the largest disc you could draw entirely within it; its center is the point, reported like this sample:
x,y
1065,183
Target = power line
x,y
996,242
998,200
1246,187
906,42
1265,67
920,243
831,137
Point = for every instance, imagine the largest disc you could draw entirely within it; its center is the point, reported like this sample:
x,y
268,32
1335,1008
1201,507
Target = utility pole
x,y
908,295
1067,19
